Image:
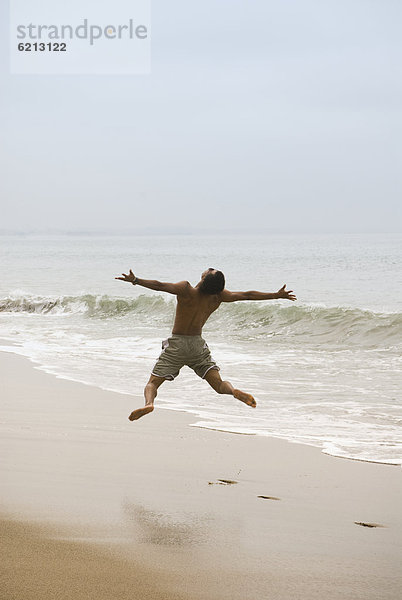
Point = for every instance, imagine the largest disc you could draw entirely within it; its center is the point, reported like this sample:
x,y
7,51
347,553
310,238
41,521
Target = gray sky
x,y
283,116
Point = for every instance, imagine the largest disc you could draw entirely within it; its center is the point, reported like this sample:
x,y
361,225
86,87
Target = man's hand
x,y
130,278
287,295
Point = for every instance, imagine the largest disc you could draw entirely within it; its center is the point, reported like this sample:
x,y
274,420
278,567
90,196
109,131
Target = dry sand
x,y
97,507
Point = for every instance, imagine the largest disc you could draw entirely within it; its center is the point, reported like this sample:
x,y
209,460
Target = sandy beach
x,y
94,506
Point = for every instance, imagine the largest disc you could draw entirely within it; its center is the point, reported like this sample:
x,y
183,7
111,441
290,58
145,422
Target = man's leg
x,y
225,387
150,391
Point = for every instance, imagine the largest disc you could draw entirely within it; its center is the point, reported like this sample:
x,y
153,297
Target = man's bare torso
x,y
193,310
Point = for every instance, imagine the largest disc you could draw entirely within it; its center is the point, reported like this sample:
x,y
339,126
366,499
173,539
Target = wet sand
x,y
94,506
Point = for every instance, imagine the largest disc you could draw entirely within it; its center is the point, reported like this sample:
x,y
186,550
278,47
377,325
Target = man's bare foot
x,y
244,397
140,412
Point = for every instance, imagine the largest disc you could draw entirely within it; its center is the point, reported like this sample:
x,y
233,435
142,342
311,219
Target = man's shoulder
x,y
184,288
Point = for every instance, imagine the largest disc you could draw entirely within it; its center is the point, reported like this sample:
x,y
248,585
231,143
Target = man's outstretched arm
x,y
159,286
227,296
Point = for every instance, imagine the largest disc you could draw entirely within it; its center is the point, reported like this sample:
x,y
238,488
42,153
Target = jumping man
x,y
186,346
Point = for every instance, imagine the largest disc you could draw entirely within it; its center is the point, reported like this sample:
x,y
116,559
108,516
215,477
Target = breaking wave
x,y
319,324
86,304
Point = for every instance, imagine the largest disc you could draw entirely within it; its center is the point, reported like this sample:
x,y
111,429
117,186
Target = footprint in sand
x,y
223,482
268,497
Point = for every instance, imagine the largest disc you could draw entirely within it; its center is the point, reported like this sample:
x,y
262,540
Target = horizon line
x,y
187,231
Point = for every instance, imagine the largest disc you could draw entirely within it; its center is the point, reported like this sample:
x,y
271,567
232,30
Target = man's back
x,y
193,310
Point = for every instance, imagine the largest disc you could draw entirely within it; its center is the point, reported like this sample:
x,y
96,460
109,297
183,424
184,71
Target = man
x,y
186,346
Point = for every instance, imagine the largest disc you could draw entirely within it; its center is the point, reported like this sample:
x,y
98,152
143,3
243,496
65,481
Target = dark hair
x,y
213,283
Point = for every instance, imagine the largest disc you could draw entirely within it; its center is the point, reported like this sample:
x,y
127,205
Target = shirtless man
x,y
186,346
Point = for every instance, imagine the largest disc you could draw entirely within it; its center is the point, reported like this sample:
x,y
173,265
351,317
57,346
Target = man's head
x,y
212,281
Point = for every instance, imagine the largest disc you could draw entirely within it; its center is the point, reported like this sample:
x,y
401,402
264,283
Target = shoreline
x,y
37,365
84,482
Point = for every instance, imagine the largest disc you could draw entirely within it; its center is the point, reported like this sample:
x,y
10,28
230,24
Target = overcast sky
x,y
258,114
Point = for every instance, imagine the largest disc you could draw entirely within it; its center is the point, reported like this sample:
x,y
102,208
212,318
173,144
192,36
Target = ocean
x,y
325,370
